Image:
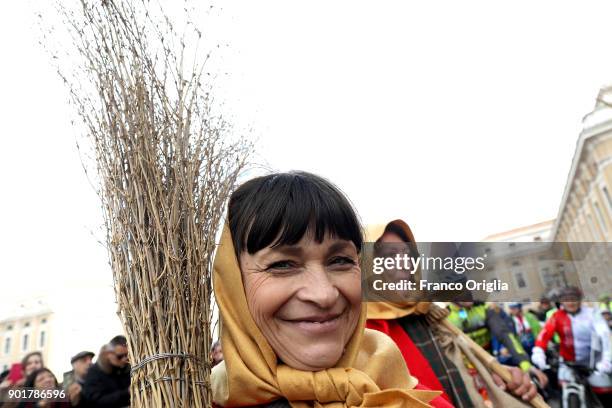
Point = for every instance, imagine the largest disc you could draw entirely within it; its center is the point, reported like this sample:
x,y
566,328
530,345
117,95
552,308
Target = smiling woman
x,y
287,280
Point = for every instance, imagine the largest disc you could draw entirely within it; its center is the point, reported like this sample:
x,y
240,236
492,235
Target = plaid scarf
x,y
417,328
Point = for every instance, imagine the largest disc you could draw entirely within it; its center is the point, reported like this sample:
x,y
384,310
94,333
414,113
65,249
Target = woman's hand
x,y
4,385
74,393
43,403
521,385
542,378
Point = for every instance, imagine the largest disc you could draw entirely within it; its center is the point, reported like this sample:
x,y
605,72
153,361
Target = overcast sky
x,y
460,117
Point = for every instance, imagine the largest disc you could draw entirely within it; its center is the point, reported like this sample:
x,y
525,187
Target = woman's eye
x,y
342,260
281,265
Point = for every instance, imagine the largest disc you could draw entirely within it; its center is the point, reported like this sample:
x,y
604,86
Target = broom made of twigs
x,y
488,360
166,166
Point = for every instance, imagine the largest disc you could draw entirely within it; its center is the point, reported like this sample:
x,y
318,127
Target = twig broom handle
x,y
489,361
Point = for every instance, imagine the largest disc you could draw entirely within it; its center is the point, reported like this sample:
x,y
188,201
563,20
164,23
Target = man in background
x,y
543,309
605,304
107,383
75,379
526,325
216,353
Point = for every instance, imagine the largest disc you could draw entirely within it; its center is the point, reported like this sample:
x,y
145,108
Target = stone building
x,y
25,328
586,206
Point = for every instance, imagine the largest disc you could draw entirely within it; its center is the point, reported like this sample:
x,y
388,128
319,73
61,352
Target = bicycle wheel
x,y
573,401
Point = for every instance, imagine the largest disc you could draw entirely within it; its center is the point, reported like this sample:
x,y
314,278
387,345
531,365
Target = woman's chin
x,y
315,358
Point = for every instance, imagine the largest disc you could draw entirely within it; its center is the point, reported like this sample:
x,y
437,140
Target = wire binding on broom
x,y
160,356
161,379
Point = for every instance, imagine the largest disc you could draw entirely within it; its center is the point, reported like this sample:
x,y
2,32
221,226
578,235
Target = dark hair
x,y
25,359
403,231
570,293
29,382
397,230
279,208
118,341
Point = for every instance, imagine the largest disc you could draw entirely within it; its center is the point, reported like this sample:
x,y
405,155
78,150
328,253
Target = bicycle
x,y
578,389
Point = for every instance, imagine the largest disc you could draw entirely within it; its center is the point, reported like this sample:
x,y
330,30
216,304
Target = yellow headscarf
x,y
370,373
391,310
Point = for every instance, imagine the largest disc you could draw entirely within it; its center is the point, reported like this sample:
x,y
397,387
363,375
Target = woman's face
x,y
32,364
393,246
44,381
305,299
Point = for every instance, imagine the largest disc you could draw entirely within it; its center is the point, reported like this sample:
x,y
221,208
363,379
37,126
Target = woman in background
x,y
29,363
43,379
431,352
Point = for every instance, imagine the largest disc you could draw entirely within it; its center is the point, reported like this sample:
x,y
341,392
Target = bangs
x,y
280,209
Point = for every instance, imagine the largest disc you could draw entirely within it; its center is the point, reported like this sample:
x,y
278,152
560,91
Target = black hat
x,y
81,355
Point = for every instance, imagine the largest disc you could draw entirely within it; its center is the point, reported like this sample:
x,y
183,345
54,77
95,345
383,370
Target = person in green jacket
x,y
605,304
481,322
526,326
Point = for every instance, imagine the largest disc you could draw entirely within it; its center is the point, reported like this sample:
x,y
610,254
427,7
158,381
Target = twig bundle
x,y
166,167
489,361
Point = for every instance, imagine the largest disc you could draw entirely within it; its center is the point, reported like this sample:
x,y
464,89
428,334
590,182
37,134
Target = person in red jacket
x,y
576,326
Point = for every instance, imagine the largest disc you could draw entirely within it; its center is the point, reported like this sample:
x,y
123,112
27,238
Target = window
x,y
43,321
9,327
550,278
600,217
7,346
26,324
492,280
25,341
41,342
593,229
608,198
520,280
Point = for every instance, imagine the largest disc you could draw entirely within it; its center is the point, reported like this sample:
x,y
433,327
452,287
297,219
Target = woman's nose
x,y
318,288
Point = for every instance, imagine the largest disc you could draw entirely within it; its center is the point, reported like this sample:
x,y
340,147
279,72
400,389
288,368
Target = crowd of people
x,y
296,332
516,337
103,384
547,340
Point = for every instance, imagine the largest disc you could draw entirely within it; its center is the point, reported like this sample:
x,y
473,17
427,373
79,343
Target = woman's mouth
x,y
316,324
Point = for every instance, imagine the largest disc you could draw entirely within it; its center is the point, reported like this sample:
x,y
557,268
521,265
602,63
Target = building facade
x,y
540,232
583,224
529,262
585,213
26,328
58,325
